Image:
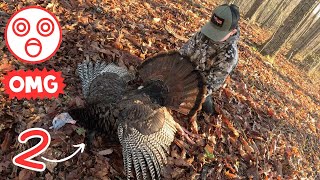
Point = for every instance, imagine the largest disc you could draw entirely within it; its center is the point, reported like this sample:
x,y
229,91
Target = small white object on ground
x,y
60,120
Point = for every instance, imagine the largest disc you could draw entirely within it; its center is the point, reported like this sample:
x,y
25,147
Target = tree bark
x,y
257,16
315,62
253,8
303,26
304,40
314,68
270,21
280,36
311,48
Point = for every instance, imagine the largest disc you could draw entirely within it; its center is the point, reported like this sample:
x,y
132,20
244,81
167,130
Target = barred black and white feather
x,y
88,71
146,153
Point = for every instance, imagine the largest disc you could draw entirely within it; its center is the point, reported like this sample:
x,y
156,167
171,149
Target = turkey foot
x,y
194,124
185,133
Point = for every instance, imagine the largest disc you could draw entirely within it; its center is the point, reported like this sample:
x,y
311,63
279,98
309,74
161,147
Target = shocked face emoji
x,y
33,34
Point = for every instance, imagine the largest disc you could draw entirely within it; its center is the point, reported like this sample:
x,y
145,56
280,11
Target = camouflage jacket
x,y
215,59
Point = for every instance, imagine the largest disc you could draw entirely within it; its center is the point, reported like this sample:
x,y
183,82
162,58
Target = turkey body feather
x,y
140,118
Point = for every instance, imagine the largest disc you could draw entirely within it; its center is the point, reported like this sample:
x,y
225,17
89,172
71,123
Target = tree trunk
x,y
311,47
257,16
244,5
315,68
280,36
229,1
270,21
316,62
304,25
304,40
253,8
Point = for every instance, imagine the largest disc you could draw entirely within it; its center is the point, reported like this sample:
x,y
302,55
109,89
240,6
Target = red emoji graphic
x,y
33,34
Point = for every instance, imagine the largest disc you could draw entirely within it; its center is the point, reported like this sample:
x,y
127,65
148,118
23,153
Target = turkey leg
x,y
185,133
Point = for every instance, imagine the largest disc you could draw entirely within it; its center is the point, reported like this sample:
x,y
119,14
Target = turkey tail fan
x,y
185,85
102,82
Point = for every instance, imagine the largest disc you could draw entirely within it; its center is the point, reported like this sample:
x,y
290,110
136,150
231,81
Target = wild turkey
x,y
140,117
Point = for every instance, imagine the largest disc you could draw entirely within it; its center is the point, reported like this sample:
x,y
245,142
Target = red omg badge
x,y
33,84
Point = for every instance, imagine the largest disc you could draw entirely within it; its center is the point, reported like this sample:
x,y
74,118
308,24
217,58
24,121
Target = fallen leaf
x,y
246,145
156,20
48,176
181,162
230,126
26,174
5,145
230,175
5,67
208,149
228,92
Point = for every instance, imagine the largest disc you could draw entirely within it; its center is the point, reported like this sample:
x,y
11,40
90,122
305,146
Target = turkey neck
x,y
99,117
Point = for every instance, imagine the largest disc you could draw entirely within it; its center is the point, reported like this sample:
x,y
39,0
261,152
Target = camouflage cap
x,y
223,20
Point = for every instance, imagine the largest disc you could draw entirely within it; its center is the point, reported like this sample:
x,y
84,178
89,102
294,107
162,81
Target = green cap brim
x,y
212,32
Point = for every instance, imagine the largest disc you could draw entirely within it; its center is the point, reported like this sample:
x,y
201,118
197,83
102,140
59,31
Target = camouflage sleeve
x,y
223,67
189,47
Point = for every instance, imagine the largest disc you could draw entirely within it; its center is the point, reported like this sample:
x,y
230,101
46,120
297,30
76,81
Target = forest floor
x,y
268,122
